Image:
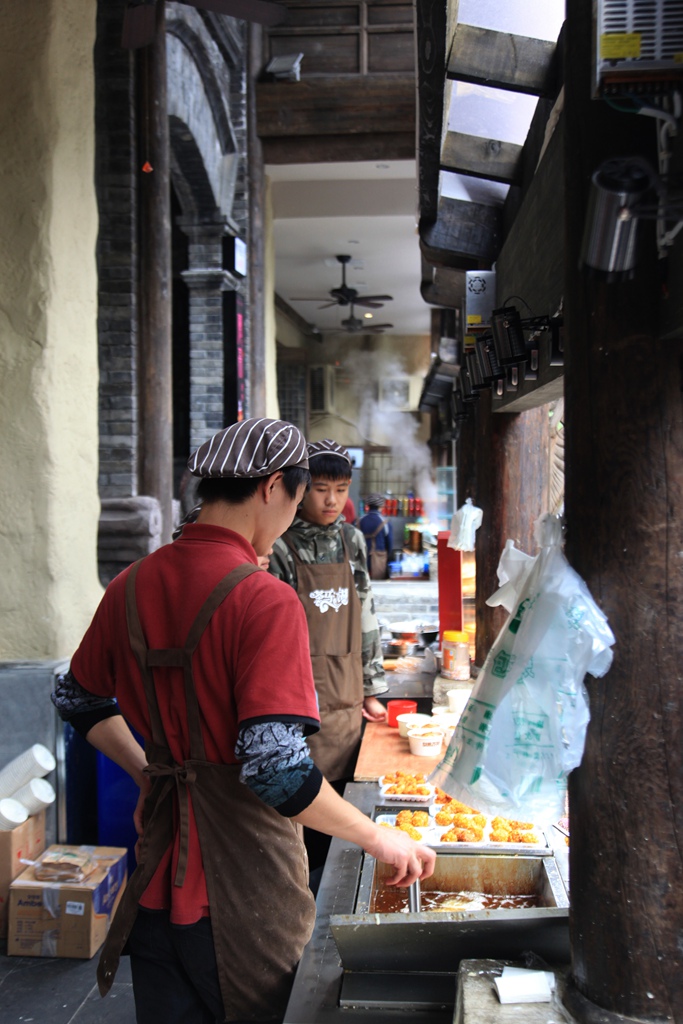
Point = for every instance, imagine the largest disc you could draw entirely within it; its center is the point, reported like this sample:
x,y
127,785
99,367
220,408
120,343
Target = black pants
x,y
175,979
318,843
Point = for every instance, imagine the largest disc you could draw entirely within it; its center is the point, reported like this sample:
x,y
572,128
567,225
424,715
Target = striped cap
x,y
374,500
256,447
327,447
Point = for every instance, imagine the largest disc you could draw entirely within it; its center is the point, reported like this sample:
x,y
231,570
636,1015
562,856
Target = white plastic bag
x,y
524,727
464,526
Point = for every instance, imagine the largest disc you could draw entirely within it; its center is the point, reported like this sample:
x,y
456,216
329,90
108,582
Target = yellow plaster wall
x,y
48,344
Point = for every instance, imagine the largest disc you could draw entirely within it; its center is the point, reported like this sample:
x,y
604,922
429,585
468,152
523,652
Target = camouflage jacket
x,y
319,544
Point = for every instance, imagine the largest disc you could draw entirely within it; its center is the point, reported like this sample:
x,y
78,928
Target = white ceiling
x,y
366,210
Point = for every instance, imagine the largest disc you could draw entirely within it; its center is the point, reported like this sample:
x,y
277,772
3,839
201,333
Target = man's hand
x,y
374,710
410,859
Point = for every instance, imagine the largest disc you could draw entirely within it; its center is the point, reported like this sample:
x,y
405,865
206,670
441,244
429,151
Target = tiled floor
x,y
51,991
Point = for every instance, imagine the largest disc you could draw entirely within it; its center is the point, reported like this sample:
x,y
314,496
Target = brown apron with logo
x,y
332,606
262,911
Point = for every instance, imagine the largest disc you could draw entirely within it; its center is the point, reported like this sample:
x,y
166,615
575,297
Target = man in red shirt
x,y
207,658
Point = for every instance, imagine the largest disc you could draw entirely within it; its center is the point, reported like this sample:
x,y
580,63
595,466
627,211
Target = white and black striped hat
x,y
327,447
255,447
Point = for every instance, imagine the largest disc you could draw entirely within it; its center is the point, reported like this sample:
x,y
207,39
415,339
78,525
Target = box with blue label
x,y
63,904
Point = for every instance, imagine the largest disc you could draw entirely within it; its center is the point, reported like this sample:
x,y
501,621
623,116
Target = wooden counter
x,y
383,750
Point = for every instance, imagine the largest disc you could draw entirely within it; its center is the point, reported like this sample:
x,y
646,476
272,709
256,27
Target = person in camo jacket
x,y
325,560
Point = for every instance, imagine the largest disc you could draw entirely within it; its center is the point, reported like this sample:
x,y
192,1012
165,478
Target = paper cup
x,y
425,742
406,722
457,700
35,795
12,813
34,763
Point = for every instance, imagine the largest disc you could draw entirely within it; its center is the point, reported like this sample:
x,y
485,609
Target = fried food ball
x,y
420,819
443,818
522,826
501,824
521,836
404,815
469,820
463,835
499,836
412,832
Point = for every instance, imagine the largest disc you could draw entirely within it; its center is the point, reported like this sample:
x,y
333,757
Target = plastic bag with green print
x,y
524,727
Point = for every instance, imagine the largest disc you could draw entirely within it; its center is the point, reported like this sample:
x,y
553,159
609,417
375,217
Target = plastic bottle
x,y
455,655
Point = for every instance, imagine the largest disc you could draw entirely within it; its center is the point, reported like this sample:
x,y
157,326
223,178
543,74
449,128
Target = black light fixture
x,y
474,371
508,336
459,408
490,368
469,394
509,344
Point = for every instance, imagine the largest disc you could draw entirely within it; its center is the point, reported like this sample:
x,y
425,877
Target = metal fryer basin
x,y
436,941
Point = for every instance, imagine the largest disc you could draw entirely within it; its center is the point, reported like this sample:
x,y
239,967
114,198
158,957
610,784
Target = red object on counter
x,y
450,585
399,707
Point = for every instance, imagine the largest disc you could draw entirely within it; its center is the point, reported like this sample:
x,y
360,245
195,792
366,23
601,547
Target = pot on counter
x,y
406,631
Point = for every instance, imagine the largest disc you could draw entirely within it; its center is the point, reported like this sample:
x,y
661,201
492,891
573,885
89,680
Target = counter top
x,y
382,751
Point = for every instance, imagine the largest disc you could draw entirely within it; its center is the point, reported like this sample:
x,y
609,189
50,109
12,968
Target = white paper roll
x,y
12,813
35,795
34,763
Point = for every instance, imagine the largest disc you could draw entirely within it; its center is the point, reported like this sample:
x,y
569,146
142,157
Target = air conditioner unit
x,y
637,43
322,380
399,394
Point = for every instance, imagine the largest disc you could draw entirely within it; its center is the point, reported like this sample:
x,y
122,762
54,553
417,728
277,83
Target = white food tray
x,y
432,837
407,798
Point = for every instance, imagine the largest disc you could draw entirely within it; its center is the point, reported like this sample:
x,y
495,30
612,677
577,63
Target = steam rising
x,y
379,425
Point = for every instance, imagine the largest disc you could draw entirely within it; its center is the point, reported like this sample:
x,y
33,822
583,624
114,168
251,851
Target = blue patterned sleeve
x,y
277,765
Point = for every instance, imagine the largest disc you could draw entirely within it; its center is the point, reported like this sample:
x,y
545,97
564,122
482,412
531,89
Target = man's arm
x,y
331,814
114,739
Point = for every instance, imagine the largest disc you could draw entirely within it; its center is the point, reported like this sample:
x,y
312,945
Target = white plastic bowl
x,y
407,721
425,742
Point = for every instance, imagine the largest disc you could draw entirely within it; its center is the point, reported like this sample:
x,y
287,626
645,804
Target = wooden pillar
x,y
624,509
156,401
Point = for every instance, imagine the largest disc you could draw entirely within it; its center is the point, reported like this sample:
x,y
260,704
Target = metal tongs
x,y
414,897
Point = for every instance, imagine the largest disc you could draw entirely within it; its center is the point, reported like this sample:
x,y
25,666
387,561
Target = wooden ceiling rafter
x,y
501,60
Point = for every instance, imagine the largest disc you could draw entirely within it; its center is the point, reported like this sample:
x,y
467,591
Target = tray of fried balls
x,y
448,823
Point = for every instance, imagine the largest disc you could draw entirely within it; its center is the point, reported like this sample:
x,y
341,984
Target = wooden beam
x,y
295,318
431,60
503,60
465,235
486,158
317,149
442,286
336,106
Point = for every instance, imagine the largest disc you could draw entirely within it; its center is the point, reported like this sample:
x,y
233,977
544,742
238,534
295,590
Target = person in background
x,y
185,644
349,512
378,537
324,560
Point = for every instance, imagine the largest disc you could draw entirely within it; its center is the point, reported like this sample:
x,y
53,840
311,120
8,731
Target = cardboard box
x,y
25,842
66,919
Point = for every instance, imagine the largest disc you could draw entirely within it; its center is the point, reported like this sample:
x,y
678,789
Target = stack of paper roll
x,y
24,790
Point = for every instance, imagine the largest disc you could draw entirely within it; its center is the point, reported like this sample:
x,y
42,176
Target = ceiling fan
x,y
139,24
346,296
353,325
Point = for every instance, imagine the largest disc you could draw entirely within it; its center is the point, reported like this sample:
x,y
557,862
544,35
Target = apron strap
x,y
177,657
140,650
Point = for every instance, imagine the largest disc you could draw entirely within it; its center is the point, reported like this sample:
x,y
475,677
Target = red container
x,y
399,707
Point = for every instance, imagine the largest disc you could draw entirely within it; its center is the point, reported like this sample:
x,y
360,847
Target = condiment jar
x,y
455,655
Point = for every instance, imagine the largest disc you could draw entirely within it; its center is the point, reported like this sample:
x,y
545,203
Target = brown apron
x,y
332,606
377,560
262,911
